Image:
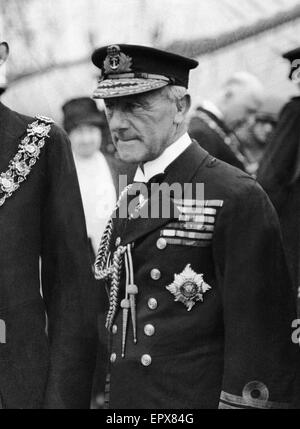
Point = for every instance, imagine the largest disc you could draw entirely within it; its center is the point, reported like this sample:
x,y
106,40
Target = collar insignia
x,y
188,287
116,61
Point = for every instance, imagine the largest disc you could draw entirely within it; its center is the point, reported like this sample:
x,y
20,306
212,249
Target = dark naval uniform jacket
x,y
213,298
215,137
48,345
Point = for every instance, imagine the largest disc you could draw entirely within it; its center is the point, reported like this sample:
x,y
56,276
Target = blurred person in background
x,y
45,271
97,174
279,172
256,133
215,121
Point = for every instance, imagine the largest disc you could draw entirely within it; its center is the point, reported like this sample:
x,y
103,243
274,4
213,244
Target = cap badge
x,y
188,287
116,61
296,71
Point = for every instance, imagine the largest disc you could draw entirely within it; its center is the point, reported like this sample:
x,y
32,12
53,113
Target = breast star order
x,y
188,287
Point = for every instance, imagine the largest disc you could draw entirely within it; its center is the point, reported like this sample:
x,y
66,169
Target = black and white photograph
x,y
149,207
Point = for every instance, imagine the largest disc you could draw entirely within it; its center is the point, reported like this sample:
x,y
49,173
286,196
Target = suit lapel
x,y
160,208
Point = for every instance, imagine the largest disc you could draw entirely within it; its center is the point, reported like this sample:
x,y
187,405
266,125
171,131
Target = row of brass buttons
x,y
146,359
149,330
161,243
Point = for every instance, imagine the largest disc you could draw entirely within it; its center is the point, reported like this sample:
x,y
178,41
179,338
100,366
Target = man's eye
x,y
108,110
134,106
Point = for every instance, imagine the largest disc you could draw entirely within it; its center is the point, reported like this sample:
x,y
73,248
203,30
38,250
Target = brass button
x,y
146,360
114,329
113,357
152,304
149,330
118,242
155,274
161,243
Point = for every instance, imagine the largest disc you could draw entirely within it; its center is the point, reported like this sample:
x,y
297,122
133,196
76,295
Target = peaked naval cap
x,y
133,69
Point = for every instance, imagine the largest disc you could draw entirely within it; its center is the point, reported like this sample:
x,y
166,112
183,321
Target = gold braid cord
x,y
102,273
112,272
115,283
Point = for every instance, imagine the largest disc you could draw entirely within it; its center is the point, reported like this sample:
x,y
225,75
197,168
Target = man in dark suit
x,y
200,300
279,173
214,122
45,271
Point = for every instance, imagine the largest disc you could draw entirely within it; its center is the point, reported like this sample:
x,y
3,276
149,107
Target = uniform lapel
x,y
181,172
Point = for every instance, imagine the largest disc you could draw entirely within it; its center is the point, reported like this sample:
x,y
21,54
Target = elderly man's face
x,y
141,125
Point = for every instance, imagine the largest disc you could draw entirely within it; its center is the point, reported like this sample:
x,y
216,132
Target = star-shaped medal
x,y
188,287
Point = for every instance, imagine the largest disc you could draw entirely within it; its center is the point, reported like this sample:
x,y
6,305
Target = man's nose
x,y
118,120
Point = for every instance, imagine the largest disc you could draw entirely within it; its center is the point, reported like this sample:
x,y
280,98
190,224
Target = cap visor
x,y
110,88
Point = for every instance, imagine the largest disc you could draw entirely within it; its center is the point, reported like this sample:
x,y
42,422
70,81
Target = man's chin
x,y
128,153
128,158
125,158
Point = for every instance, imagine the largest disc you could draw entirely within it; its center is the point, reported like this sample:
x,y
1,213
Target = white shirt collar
x,y
211,107
158,165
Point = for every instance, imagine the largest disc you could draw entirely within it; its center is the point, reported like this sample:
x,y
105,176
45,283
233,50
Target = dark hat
x,y
132,69
80,111
293,56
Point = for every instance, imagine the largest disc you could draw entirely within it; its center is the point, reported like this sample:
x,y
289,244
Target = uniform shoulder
x,y
24,118
227,182
56,134
27,120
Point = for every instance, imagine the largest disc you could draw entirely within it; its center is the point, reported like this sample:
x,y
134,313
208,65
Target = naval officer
x,y
200,299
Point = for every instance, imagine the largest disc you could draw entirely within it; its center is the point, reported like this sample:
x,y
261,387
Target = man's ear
x,y
183,106
4,51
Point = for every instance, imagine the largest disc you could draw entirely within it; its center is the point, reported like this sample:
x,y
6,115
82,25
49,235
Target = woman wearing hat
x,y
84,124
